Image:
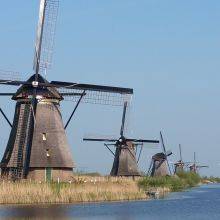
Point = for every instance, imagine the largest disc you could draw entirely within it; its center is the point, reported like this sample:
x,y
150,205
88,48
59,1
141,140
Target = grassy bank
x,y
175,183
82,191
93,189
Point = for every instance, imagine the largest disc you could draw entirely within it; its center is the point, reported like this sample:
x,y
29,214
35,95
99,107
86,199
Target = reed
x,y
107,189
93,189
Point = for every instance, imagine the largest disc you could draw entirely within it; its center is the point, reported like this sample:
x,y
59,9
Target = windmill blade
x,y
139,155
123,119
45,35
33,107
159,164
132,154
45,39
150,168
5,117
194,158
202,166
30,138
7,94
11,82
71,94
74,110
168,153
142,140
95,94
165,152
163,145
90,87
188,163
12,75
102,98
99,140
107,146
34,84
99,137
180,150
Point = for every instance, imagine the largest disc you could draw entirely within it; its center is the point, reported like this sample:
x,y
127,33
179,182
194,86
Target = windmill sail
x,y
5,75
123,119
43,54
95,94
45,35
166,153
180,151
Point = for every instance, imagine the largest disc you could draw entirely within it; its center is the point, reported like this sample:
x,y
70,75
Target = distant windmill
x,y
125,161
159,164
179,165
37,147
194,167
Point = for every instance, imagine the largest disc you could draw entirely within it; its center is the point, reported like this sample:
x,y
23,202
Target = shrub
x,y
175,183
191,179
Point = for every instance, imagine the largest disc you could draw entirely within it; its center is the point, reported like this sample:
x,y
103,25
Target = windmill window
x,y
44,136
48,153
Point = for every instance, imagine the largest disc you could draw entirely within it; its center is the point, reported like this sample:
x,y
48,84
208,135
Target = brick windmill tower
x,y
37,147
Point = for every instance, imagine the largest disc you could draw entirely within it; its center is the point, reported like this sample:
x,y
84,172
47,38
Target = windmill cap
x,y
46,92
159,156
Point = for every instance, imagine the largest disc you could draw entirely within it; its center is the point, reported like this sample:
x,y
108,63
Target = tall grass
x,y
35,193
92,189
179,182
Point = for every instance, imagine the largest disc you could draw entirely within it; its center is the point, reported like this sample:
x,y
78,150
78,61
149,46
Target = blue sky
x,y
168,51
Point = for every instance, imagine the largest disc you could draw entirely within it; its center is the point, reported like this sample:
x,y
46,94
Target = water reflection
x,y
34,212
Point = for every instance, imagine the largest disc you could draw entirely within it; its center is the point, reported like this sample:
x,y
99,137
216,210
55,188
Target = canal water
x,y
202,203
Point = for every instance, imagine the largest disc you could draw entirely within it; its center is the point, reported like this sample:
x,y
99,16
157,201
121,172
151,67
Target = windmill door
x,y
48,174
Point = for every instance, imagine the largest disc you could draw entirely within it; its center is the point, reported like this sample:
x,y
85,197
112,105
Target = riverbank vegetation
x,y
96,188
210,179
177,182
90,190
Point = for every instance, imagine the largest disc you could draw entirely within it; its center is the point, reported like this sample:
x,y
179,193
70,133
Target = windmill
x,y
159,163
179,165
37,147
194,167
125,161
